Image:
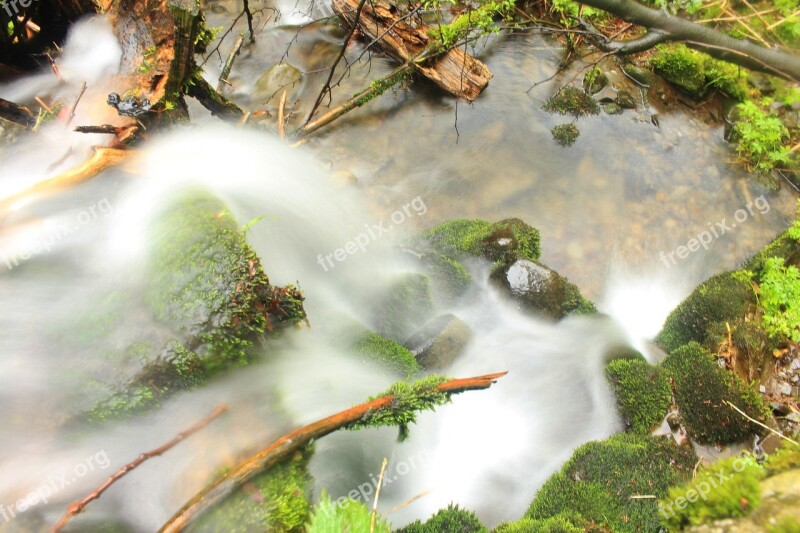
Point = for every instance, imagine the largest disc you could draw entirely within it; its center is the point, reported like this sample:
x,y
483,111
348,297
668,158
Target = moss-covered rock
x,y
728,489
695,72
462,237
642,391
783,246
701,391
276,500
450,279
572,101
565,134
540,289
405,307
452,519
209,291
599,479
702,317
388,353
561,523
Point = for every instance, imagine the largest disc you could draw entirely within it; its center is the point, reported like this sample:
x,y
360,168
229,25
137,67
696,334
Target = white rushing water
x,y
66,256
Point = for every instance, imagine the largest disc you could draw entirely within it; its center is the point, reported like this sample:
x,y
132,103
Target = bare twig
x,y
377,495
778,433
282,116
326,88
226,71
76,508
75,105
249,20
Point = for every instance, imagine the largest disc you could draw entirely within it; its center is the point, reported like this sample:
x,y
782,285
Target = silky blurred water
x,y
606,208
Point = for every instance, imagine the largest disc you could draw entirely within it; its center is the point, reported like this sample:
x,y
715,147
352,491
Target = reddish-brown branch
x,y
77,507
287,445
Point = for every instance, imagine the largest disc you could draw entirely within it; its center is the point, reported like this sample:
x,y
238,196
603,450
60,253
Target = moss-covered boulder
x,y
452,519
599,479
275,500
208,291
392,356
783,246
642,391
495,242
449,279
702,317
695,72
540,289
702,391
406,305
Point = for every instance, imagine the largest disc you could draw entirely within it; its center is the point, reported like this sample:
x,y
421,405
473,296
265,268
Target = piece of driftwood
x,y
406,38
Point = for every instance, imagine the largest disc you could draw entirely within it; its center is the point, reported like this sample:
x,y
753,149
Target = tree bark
x,y
708,40
457,72
287,445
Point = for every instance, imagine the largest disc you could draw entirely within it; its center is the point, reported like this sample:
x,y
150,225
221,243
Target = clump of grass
x,y
565,134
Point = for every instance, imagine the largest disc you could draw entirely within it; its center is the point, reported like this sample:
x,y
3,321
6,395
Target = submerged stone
x,y
440,342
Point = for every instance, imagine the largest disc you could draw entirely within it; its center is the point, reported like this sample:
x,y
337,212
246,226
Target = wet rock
x,y
626,100
275,80
637,74
440,342
540,289
674,421
785,389
780,409
406,306
612,108
594,81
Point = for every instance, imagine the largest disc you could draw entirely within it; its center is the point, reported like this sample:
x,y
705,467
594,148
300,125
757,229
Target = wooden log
x,y
457,72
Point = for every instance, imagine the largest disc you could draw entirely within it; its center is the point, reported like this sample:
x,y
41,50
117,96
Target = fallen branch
x,y
219,106
102,159
376,88
714,43
226,70
453,70
18,114
778,433
287,445
77,507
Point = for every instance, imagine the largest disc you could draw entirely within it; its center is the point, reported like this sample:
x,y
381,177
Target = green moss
x,y
451,279
786,525
344,516
572,101
574,302
452,519
695,72
599,479
702,316
760,136
462,237
780,298
783,246
561,523
276,501
408,399
388,353
642,391
408,304
701,389
728,489
783,460
565,134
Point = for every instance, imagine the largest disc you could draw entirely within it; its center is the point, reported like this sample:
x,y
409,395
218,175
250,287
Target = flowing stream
x,y
605,207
